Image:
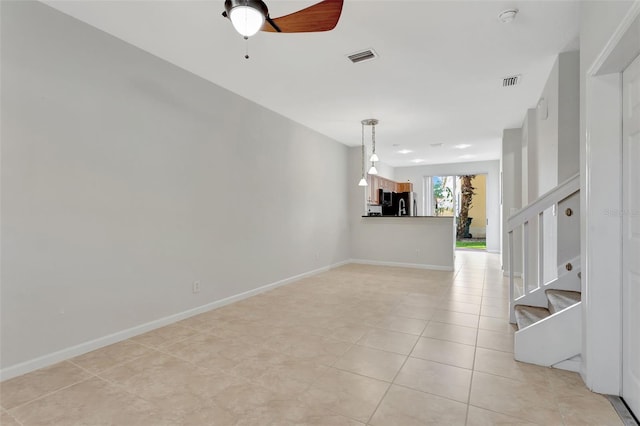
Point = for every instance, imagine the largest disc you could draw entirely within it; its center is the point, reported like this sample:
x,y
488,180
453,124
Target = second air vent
x,y
511,81
365,55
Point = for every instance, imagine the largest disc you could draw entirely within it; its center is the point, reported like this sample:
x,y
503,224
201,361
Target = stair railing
x,y
527,226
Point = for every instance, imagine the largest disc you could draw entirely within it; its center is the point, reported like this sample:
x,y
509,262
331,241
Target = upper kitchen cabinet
x,y
405,187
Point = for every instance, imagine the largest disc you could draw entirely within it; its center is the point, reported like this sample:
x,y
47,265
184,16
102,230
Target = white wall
x,y
416,174
511,164
600,163
125,178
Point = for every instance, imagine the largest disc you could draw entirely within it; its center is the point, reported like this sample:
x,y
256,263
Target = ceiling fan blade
x,y
321,16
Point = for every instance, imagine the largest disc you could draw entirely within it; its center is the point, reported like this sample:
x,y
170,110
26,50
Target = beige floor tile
x,y
7,419
416,312
22,389
346,394
211,414
436,378
164,336
390,341
495,301
567,383
170,383
503,364
495,311
465,308
495,340
348,332
92,402
110,356
456,318
585,410
402,324
321,350
451,332
472,291
421,300
463,298
456,354
481,417
527,401
500,325
407,407
209,351
370,362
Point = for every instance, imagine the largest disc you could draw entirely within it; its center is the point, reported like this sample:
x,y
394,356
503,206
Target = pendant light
x,y
374,157
363,180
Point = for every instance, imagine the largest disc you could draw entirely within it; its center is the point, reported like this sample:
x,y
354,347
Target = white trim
x,y
82,348
616,38
402,264
494,251
601,368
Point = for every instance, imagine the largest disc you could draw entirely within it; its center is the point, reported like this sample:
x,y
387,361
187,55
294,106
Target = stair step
x,y
562,299
527,315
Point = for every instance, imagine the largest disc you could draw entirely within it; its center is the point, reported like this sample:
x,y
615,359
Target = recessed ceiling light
x,y
437,144
417,160
404,151
462,146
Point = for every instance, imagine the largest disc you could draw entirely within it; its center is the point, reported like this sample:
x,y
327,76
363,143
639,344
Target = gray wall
x,y
125,178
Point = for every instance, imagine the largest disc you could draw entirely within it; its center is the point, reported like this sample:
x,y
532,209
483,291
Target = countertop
x,y
446,217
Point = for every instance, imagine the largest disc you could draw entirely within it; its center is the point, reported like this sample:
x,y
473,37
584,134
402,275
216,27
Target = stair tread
x,y
527,315
562,299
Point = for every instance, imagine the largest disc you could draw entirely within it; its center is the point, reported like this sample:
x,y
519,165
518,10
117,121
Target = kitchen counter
x,y
414,241
439,217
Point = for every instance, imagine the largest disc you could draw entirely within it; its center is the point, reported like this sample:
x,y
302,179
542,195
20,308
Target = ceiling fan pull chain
x,y
246,51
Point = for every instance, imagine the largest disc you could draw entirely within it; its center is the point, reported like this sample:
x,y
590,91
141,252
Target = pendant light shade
x,y
374,158
373,170
363,182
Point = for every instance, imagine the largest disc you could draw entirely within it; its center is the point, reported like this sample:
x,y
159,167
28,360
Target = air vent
x,y
365,55
511,81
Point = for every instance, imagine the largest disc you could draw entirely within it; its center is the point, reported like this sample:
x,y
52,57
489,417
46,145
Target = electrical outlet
x,y
196,287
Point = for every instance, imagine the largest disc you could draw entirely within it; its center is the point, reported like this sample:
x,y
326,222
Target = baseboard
x,y
92,345
494,251
572,364
402,264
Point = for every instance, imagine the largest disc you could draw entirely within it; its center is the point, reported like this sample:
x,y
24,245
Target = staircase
x,y
545,301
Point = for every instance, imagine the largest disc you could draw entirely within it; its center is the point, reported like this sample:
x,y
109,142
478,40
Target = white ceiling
x,y
438,78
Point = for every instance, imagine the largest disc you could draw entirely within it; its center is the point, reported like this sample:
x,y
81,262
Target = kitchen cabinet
x,y
378,182
405,187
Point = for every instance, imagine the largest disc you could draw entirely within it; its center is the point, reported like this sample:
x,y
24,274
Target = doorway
x,y
463,197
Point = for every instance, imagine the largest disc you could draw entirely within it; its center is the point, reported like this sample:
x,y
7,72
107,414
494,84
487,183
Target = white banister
x,y
530,222
545,201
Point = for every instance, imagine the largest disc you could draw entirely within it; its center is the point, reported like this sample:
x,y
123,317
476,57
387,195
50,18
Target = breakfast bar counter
x,y
414,241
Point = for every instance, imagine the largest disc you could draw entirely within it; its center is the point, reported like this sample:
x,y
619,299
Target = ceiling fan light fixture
x,y
247,16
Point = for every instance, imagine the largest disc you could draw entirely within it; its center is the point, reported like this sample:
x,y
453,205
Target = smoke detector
x,y
508,15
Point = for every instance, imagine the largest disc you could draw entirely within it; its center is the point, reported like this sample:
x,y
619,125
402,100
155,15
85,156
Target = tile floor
x,y
353,346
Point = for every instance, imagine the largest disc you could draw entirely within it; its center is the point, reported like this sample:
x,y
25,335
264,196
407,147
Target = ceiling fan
x,y
250,16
